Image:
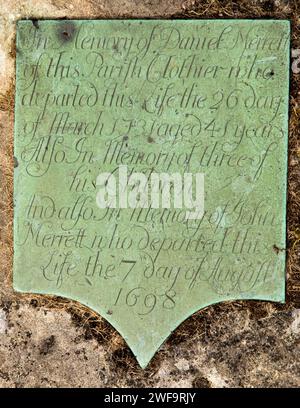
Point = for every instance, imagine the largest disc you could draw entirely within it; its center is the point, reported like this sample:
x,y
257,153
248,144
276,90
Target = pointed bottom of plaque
x,y
146,344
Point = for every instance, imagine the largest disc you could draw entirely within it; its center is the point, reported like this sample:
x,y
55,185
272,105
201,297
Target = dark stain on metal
x,y
276,249
271,74
66,31
16,163
35,23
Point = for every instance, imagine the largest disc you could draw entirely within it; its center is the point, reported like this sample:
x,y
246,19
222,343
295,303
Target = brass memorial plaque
x,y
151,167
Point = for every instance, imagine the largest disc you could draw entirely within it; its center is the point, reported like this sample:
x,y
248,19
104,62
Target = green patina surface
x,y
201,96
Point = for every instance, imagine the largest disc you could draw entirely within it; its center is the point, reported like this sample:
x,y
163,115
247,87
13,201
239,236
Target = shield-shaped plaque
x,y
151,160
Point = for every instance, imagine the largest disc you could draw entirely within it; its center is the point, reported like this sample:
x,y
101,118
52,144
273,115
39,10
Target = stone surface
x,y
196,112
44,348
239,344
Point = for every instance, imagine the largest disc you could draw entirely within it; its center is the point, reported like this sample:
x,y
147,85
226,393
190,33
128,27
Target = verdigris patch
x,y
97,100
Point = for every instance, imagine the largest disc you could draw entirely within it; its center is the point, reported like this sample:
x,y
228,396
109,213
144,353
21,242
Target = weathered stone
x,y
224,343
